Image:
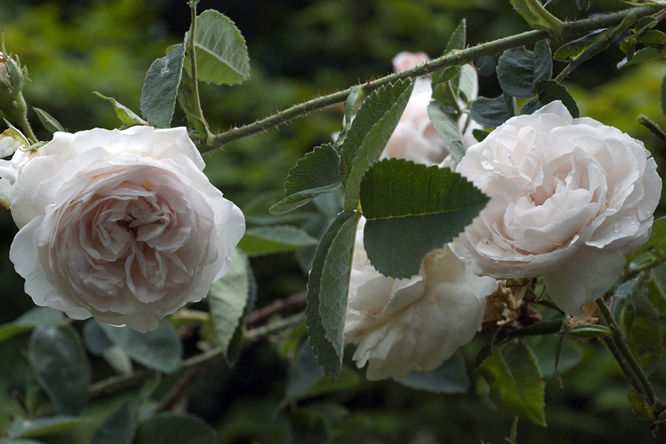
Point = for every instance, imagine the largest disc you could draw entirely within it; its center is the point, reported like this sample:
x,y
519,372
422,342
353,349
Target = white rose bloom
x,y
415,138
569,199
119,225
415,323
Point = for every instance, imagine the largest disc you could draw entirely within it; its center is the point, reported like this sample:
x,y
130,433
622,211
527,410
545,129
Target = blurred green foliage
x,y
300,49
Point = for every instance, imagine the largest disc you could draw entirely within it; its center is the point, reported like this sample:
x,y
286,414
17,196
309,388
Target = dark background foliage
x,y
300,49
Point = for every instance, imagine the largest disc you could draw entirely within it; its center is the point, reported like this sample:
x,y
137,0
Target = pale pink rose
x,y
415,138
119,225
569,199
415,323
405,60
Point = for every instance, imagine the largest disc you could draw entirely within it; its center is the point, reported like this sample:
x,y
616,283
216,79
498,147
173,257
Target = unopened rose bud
x,y
12,81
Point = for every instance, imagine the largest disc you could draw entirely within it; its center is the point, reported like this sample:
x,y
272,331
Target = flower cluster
x,y
119,225
570,198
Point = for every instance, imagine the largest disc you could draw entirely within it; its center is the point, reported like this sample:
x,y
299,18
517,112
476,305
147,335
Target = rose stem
x,y
540,328
653,127
452,59
623,350
194,84
116,384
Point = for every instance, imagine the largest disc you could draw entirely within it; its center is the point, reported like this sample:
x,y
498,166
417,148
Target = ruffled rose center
x,y
136,236
556,199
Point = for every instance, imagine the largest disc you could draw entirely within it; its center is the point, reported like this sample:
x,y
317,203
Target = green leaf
x,y
172,428
227,299
550,90
584,49
480,134
516,383
645,23
159,349
490,112
457,41
40,316
448,129
583,5
160,88
316,227
315,174
221,52
99,344
651,37
300,198
29,320
536,15
307,379
60,366
573,49
328,286
449,378
519,70
640,405
468,85
126,115
354,99
95,338
657,286
318,168
369,133
118,428
641,56
530,106
639,323
30,428
446,74
412,209
274,239
49,122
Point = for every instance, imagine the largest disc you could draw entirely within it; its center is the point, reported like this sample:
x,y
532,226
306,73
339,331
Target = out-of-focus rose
x,y
415,323
569,199
415,138
405,60
119,225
